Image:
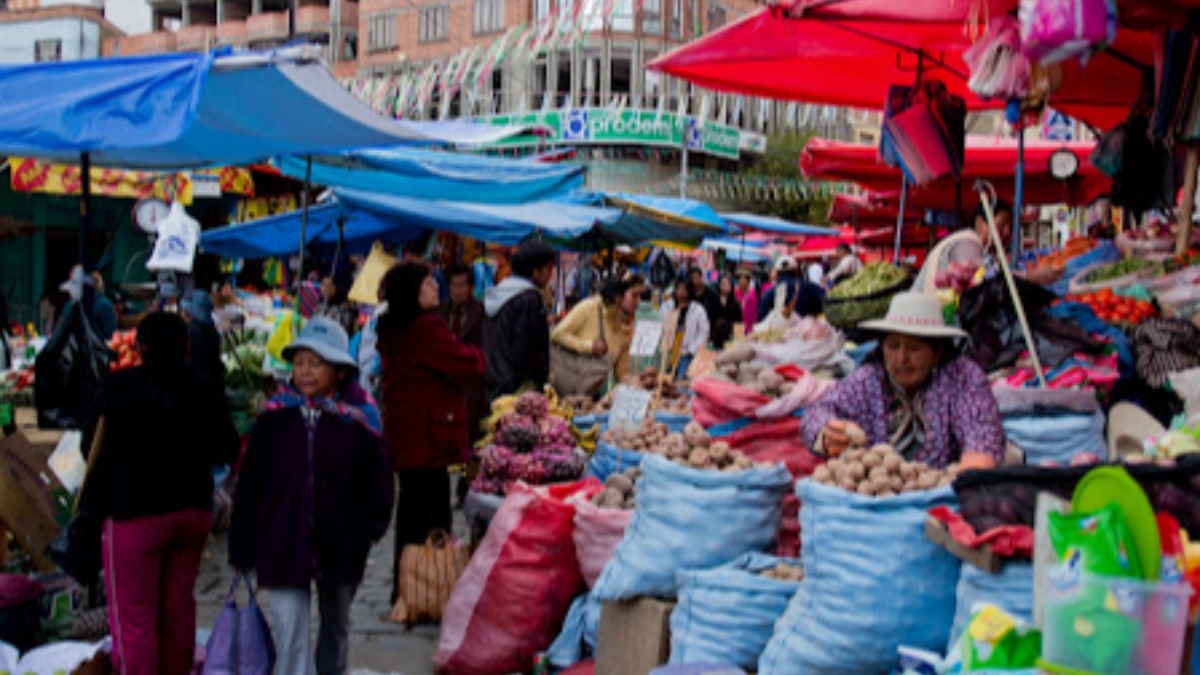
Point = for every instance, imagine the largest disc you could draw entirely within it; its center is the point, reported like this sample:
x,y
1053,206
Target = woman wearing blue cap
x,y
315,492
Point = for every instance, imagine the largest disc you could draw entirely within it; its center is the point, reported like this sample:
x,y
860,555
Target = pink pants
x,y
150,570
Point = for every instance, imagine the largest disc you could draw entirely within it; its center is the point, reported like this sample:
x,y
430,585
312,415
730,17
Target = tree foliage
x,y
781,162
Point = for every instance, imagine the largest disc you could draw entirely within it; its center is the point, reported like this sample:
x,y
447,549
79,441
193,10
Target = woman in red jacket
x,y
426,375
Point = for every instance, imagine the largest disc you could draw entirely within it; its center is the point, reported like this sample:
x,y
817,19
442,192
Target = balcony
x,y
194,38
231,32
267,26
312,19
161,42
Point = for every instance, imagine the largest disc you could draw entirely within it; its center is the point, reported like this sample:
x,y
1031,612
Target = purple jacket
x,y
295,525
960,412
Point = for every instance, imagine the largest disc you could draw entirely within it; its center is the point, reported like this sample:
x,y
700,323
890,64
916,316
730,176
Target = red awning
x,y
849,52
993,160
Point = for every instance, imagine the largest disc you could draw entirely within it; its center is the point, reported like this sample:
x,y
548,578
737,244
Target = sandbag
x,y
691,519
872,582
1011,590
727,614
609,459
512,598
719,401
1056,437
597,533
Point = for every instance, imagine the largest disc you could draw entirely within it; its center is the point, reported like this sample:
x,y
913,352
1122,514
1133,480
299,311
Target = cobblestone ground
x,y
376,644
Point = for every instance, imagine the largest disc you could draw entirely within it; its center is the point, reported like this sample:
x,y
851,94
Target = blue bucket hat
x,y
325,338
199,306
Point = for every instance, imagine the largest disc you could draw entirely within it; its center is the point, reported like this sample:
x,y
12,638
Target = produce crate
x,y
635,636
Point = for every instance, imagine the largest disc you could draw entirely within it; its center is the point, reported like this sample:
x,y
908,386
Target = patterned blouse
x,y
960,412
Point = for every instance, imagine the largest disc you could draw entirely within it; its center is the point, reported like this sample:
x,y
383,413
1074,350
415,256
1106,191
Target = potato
x,y
821,474
910,486
699,458
856,471
611,498
927,480
866,489
893,462
847,484
882,448
856,435
886,493
879,474
620,482
743,463
872,460
786,388
896,483
944,481
855,455
908,471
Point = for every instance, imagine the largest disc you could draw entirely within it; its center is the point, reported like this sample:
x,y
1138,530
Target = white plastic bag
x,y
175,246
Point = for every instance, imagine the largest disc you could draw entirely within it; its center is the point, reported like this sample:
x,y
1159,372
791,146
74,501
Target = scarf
x,y
353,405
906,419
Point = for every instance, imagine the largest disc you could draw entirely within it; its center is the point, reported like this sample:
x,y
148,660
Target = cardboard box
x,y
635,636
33,504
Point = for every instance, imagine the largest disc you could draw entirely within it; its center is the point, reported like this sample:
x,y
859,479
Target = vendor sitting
x,y
916,393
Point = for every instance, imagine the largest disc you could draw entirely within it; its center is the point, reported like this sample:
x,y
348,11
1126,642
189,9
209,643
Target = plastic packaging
x,y
1097,543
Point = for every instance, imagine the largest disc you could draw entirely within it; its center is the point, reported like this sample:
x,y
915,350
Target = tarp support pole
x,y
1187,206
900,216
303,232
1019,197
85,227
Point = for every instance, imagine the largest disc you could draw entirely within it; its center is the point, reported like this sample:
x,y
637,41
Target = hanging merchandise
x,y
1057,30
175,246
924,132
999,70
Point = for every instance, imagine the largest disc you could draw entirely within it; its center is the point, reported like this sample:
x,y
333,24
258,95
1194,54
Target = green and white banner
x,y
609,126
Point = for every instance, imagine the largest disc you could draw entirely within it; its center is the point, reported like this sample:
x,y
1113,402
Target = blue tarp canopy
x,y
772,225
738,250
279,236
179,111
429,174
650,219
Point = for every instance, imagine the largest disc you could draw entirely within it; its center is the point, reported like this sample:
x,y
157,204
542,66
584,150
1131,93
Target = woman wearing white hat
x,y
915,393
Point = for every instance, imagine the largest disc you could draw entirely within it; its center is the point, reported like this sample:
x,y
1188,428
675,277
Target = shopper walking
x,y
516,331
464,315
583,333
163,430
315,492
426,375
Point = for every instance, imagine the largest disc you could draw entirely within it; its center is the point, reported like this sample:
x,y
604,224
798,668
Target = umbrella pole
x,y
85,226
1019,197
303,231
900,216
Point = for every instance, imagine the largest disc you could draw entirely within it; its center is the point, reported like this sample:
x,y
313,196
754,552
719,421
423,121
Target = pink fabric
x,y
150,570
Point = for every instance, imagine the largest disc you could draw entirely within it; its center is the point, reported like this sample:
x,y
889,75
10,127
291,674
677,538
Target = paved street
x,y
377,645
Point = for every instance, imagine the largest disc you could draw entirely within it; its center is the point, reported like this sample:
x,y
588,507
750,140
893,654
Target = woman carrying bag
x,y
161,429
592,342
315,492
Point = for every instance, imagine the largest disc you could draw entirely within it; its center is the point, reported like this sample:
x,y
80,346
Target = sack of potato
x,y
692,518
872,582
600,523
619,450
727,614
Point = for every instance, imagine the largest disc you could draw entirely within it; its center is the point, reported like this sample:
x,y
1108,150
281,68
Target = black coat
x,y
295,521
159,448
722,317
516,340
204,349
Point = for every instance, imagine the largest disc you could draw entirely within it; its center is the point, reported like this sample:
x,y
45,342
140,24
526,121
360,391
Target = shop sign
x,y
603,126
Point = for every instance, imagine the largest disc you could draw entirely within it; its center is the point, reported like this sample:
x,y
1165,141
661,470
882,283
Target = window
x,y
381,31
435,24
541,8
47,50
489,16
622,20
652,17
717,16
676,19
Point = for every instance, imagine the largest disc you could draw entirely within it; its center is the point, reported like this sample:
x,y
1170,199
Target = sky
x,y
131,16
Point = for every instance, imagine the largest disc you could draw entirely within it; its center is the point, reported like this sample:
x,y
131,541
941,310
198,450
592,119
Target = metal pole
x,y
303,231
900,216
1019,197
292,20
85,209
683,164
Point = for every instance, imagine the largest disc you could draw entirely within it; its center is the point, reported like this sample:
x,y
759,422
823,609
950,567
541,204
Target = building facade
x,y
34,31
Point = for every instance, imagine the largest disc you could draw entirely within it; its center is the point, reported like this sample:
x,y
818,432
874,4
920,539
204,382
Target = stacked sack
x,y
1053,427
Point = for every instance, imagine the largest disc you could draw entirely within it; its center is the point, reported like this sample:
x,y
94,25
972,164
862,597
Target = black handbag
x,y
76,547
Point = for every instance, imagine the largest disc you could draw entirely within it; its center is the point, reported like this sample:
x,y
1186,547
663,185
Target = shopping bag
x,y
365,290
428,573
240,643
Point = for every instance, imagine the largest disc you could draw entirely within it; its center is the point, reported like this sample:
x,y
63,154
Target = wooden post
x,y
1187,206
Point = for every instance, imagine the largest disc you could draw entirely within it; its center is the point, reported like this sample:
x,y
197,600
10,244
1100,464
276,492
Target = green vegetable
x,y
1121,268
876,277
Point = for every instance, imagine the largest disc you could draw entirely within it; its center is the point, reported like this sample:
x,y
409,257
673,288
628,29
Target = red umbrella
x,y
988,159
849,52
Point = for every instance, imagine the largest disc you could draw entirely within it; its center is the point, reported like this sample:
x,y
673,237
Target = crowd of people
x,y
327,469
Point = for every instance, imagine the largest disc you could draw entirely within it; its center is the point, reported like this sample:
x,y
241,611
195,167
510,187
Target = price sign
x,y
646,338
629,408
